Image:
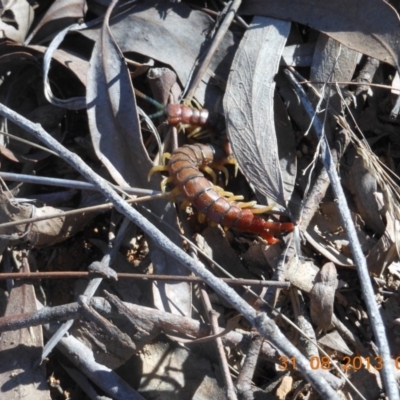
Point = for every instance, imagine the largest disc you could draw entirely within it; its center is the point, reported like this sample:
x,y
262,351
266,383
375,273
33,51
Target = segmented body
x,y
183,114
183,168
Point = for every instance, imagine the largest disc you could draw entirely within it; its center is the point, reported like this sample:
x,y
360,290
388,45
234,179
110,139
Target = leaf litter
x,y
89,98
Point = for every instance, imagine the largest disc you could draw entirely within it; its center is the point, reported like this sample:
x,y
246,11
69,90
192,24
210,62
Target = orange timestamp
x,y
354,363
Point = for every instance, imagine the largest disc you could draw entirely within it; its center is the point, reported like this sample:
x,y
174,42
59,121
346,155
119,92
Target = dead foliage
x,y
302,128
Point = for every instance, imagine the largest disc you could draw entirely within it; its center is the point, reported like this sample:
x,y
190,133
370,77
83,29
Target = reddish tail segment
x,y
183,168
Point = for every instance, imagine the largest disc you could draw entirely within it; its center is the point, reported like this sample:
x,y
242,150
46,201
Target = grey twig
x,y
90,290
44,180
105,378
377,325
162,319
245,378
266,326
230,14
213,319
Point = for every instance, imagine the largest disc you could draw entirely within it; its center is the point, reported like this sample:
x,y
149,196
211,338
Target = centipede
x,y
183,114
184,172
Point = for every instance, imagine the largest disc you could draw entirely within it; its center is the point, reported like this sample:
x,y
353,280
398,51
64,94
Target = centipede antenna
x,y
150,100
157,114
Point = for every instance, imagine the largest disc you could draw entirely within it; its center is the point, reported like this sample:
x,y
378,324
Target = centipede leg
x,y
185,204
247,204
232,161
210,172
165,156
156,168
199,133
262,210
222,192
235,198
164,183
223,169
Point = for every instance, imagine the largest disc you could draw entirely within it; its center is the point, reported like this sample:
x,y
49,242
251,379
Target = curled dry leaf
x,y
322,296
20,378
325,233
334,341
384,252
249,106
298,55
301,274
332,61
40,233
16,19
61,14
364,187
167,368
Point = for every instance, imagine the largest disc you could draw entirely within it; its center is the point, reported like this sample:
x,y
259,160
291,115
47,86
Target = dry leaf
x,y
334,341
249,105
322,296
174,34
172,371
371,29
61,14
40,233
20,377
16,19
284,388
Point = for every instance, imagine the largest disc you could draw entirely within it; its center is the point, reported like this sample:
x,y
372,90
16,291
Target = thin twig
x,y
377,85
223,362
105,378
44,180
359,259
162,319
230,15
90,289
245,378
142,277
83,210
